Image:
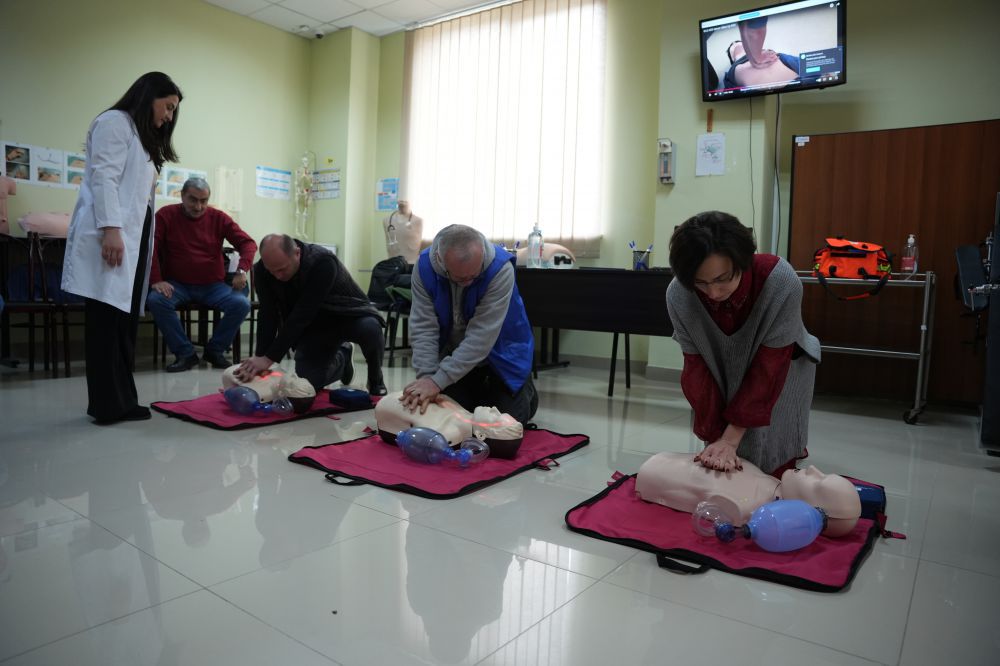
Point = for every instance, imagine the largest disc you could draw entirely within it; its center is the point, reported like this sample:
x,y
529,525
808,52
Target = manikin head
x,y
194,197
831,492
298,390
403,206
502,432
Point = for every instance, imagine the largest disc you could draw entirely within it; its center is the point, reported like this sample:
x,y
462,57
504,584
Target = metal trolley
x,y
926,281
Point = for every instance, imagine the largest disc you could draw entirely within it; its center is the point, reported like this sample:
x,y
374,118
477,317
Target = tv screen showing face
x,y
776,49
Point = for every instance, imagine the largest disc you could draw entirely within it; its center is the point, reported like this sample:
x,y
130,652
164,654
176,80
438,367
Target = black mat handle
x,y
341,481
673,565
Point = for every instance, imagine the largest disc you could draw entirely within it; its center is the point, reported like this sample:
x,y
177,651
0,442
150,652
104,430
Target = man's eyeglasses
x,y
461,280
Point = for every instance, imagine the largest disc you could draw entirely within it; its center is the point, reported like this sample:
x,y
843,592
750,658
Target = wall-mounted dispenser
x,y
666,160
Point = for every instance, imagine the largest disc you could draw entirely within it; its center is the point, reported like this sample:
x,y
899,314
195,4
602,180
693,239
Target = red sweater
x,y
765,378
189,251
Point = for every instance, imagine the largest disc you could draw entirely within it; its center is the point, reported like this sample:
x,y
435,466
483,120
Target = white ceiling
x,y
311,17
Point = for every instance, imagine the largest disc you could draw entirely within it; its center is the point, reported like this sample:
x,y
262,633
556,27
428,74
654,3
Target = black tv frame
x,y
719,94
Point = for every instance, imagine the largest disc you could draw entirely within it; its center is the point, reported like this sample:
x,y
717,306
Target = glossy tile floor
x,y
166,543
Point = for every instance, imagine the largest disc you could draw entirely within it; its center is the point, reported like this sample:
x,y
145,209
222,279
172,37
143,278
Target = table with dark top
x,y
609,300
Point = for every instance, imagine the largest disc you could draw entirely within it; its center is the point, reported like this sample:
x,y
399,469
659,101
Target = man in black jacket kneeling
x,y
310,302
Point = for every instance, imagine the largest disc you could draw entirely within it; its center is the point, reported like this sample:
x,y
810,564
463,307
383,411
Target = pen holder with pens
x,y
640,260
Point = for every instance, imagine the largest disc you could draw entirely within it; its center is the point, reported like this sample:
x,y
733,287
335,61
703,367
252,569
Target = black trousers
x,y
484,387
110,336
318,358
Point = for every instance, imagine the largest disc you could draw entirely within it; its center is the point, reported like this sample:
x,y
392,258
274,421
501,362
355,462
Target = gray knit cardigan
x,y
775,321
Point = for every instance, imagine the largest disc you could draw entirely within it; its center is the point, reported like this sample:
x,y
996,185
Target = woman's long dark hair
x,y
137,102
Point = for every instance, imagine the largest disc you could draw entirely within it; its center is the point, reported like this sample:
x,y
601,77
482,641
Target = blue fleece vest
x,y
514,350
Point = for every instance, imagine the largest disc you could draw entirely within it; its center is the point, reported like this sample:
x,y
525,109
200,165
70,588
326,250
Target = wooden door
x,y
939,183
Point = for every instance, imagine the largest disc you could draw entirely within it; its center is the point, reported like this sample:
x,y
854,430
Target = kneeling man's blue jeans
x,y
235,305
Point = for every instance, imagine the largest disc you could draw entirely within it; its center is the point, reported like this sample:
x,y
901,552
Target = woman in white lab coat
x,y
108,247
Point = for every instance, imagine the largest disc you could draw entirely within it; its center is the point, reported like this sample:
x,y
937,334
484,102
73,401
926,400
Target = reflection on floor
x,y
162,542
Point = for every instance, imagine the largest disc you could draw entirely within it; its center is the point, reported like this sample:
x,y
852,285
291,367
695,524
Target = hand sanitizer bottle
x,y
535,244
908,262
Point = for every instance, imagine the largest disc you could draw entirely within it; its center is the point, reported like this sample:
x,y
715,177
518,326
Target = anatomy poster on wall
x,y
75,164
38,165
711,159
172,180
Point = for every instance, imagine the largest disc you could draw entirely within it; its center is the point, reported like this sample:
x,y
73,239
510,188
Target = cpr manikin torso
x,y
501,431
267,384
403,233
553,256
677,481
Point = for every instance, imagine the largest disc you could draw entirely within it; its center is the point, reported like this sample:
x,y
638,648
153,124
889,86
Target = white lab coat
x,y
117,187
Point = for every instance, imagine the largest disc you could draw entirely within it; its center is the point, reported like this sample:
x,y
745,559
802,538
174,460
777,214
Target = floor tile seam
x,y
149,555
680,605
930,504
909,609
332,544
514,553
959,567
540,620
271,626
39,528
98,625
744,622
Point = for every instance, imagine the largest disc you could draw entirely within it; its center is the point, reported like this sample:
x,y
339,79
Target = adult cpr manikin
x,y
502,432
677,481
296,389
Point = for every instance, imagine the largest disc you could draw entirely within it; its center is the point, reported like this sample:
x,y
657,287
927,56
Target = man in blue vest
x,y
470,334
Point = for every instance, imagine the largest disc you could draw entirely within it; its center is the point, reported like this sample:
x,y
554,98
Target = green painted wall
x,y
257,95
361,213
389,134
329,85
246,87
910,63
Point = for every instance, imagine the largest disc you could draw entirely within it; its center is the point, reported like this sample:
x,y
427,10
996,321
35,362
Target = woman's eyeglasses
x,y
719,281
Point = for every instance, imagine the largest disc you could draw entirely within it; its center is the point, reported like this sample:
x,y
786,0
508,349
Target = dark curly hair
x,y
711,232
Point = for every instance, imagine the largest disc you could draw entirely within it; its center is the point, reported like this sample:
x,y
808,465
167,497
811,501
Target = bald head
x,y
280,256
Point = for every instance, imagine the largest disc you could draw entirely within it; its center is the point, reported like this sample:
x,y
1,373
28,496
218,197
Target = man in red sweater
x,y
188,268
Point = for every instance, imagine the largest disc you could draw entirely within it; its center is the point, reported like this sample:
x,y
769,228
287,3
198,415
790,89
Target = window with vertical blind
x,y
503,122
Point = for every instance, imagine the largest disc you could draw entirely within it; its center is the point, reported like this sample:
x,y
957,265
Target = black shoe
x,y
182,364
347,349
377,387
217,360
137,413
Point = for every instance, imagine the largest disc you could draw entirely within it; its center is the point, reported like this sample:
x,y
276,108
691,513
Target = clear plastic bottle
x,y
778,526
535,245
908,262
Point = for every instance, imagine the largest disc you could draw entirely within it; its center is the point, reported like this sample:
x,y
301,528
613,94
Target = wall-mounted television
x,y
776,49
